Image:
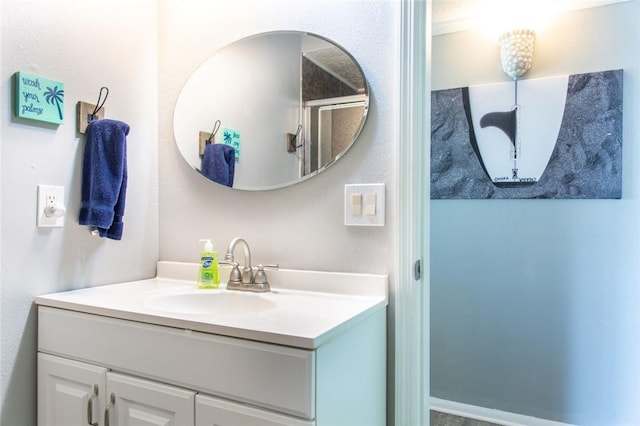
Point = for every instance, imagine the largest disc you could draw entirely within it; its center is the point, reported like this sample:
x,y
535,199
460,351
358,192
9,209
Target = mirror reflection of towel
x,y
218,163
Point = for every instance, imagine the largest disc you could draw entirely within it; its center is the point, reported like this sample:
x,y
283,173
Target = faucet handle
x,y
260,274
262,267
261,284
235,276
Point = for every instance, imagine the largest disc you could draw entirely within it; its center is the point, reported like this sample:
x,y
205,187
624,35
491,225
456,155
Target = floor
x,y
442,419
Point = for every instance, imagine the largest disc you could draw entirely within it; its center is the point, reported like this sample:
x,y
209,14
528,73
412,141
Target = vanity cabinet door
x,y
212,411
70,393
137,402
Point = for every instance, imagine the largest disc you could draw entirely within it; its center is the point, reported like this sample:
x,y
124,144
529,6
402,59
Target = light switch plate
x,y
368,191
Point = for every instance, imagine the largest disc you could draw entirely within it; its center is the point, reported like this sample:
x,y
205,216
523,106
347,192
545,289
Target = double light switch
x,y
364,204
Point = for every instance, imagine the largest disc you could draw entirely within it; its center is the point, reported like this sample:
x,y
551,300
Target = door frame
x,y
411,313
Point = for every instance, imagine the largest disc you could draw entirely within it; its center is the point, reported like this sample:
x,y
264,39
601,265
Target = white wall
x,y
534,302
300,226
92,43
86,45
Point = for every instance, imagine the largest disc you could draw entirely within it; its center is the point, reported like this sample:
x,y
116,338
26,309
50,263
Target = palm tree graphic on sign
x,y
227,137
54,97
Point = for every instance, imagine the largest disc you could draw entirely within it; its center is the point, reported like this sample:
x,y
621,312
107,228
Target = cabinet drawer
x,y
271,376
212,411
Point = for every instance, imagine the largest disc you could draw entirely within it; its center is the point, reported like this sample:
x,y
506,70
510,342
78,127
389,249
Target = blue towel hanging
x,y
104,177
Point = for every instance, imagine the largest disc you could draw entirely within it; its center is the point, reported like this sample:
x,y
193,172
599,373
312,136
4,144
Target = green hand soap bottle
x,y
208,276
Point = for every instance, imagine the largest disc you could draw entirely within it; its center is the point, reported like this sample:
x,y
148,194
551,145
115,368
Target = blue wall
x,y
535,304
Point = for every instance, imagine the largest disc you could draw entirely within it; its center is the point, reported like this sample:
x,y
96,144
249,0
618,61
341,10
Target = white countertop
x,y
305,309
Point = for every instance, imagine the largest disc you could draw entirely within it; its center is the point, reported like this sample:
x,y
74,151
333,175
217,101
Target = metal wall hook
x,y
93,115
292,140
216,127
88,112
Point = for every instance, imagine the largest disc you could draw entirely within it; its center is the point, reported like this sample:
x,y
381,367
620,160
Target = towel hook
x,y
99,105
293,139
216,127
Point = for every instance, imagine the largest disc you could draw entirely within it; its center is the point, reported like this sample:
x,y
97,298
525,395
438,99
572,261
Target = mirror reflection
x,y
271,110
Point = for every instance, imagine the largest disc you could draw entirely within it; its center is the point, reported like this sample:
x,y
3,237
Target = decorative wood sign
x,y
39,98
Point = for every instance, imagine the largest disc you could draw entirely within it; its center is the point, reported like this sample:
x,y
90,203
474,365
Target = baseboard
x,y
489,415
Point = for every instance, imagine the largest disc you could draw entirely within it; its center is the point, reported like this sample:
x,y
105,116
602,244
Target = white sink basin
x,y
220,302
305,309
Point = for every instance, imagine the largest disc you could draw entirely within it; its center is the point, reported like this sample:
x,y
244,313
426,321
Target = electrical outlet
x,y
50,213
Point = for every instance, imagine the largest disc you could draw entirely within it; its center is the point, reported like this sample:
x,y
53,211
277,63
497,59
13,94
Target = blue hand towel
x,y
104,177
219,162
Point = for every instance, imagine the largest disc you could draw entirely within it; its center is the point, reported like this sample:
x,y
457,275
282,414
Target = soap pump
x,y
208,276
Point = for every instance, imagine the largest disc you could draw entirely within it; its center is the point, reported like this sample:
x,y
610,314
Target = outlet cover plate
x,y
45,191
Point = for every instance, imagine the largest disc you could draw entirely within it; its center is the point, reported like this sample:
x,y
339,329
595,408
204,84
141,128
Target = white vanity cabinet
x,y
69,392
72,393
165,376
211,411
108,356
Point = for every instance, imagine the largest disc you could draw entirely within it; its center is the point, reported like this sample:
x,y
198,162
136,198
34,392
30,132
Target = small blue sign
x,y
39,98
231,137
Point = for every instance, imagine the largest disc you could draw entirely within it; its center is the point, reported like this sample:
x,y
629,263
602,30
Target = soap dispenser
x,y
208,276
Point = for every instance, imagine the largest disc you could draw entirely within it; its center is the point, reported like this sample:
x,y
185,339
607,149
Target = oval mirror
x,y
271,110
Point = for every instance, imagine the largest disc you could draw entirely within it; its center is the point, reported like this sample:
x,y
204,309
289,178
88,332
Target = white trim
x,y
469,22
411,308
504,418
454,25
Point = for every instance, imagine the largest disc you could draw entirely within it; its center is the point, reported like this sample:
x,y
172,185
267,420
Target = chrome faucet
x,y
245,280
237,279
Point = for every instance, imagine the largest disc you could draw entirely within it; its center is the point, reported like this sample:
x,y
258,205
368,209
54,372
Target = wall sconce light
x,y
516,55
516,52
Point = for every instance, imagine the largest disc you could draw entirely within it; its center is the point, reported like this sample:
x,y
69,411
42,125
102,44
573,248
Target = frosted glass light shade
x,y
516,52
